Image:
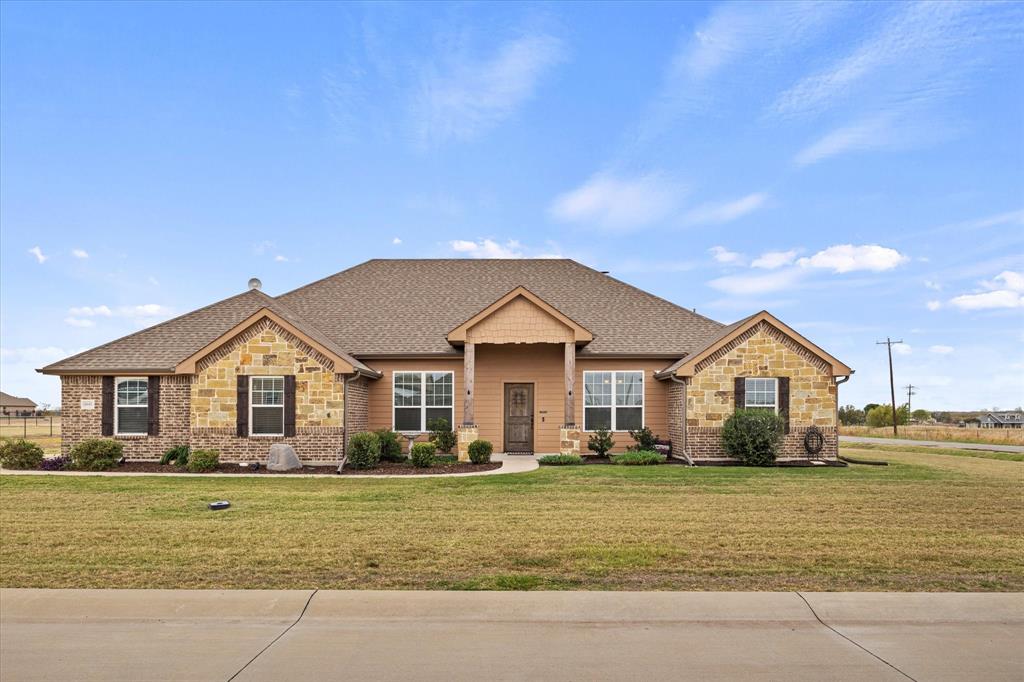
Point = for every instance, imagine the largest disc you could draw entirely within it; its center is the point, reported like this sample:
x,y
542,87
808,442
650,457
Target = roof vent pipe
x,y
255,283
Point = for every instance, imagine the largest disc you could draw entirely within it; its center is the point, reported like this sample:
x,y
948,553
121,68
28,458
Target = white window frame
x,y
746,395
423,398
117,411
613,406
251,405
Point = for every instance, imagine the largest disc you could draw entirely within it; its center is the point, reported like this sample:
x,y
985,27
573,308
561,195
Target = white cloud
x,y
939,349
79,253
724,255
144,310
933,305
616,203
79,322
848,258
1005,290
726,211
1008,279
38,253
280,259
774,259
902,348
91,311
871,133
396,241
487,248
466,98
742,285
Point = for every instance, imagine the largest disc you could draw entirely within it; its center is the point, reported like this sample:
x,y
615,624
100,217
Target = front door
x,y
519,418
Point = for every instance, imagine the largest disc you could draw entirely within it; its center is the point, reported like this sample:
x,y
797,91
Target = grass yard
x,y
932,450
940,433
927,522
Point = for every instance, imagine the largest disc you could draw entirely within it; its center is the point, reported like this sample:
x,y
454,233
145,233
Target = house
x,y
531,355
1002,420
17,407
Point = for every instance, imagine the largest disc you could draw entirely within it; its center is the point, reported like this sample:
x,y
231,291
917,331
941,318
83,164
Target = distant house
x,y
17,407
1002,420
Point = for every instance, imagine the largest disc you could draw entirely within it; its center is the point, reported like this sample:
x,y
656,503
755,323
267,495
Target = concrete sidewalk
x,y
302,635
987,447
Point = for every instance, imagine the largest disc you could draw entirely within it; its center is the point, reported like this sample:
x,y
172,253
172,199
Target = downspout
x,y
686,455
840,380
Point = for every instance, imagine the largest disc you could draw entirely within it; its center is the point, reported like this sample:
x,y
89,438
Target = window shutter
x,y
740,391
784,400
242,407
107,407
289,405
153,393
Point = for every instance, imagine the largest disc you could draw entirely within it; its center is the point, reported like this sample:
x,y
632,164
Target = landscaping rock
x,y
283,458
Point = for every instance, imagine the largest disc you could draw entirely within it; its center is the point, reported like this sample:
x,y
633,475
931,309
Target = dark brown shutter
x,y
107,407
289,405
740,391
784,400
153,392
242,407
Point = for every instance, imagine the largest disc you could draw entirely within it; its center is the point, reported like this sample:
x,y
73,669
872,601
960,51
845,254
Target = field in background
x,y
36,429
927,522
941,433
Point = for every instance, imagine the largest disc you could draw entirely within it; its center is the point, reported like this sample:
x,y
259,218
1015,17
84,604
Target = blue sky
x,y
857,169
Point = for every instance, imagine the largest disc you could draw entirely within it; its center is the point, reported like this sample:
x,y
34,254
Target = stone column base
x,y
570,436
467,433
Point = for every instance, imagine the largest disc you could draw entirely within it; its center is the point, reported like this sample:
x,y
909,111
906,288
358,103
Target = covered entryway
x,y
518,419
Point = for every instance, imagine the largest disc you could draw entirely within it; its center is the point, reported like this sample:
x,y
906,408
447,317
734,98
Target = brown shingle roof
x,y
385,307
8,400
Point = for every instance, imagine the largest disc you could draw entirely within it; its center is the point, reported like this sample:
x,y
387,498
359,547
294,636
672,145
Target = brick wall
x,y
705,442
676,416
313,444
357,405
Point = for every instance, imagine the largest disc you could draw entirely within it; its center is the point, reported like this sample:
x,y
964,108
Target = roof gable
x,y
551,327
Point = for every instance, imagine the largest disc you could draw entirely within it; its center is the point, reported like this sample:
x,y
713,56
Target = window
x,y
131,418
422,397
266,405
761,394
613,401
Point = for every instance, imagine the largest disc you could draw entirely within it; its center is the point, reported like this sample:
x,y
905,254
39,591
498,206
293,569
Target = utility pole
x,y
892,383
910,391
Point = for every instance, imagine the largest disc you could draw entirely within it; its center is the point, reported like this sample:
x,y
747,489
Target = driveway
x,y
305,635
988,447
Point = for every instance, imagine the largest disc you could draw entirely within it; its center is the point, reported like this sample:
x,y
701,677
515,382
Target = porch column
x,y
570,384
468,366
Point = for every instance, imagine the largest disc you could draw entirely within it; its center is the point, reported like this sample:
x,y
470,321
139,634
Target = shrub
x,y
645,439
441,435
176,455
600,442
390,446
59,463
753,436
446,459
881,415
201,461
20,454
96,454
638,458
480,451
422,454
364,450
560,460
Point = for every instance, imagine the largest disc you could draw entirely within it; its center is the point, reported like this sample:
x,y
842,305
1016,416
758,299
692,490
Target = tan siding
x,y
379,401
655,395
519,321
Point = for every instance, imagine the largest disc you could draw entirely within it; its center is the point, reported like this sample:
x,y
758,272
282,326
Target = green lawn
x,y
984,454
927,522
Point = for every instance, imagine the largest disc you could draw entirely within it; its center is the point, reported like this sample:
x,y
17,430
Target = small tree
x,y
881,415
921,415
869,407
600,442
645,438
851,416
441,435
753,436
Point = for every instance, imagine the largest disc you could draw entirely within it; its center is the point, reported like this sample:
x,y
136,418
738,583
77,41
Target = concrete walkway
x,y
510,464
305,635
988,447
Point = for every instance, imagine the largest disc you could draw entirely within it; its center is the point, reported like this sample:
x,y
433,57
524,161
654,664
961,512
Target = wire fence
x,y
26,427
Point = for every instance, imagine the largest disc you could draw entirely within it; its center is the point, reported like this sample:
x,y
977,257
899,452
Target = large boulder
x,y
283,458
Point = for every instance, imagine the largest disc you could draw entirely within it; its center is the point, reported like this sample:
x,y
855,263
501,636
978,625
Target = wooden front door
x,y
519,418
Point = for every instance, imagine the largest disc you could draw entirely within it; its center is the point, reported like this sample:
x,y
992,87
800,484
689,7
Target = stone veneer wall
x,y
762,351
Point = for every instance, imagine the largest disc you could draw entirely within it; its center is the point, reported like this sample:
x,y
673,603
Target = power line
x,y
910,391
892,382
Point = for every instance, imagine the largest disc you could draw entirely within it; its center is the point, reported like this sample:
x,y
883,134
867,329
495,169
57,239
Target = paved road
x,y
989,447
256,635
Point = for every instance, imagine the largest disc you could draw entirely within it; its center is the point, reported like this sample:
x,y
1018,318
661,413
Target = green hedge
x,y
390,446
202,461
753,436
96,454
363,450
423,454
480,451
638,458
18,453
560,460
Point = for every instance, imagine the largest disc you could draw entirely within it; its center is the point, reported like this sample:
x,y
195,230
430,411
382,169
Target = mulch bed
x,y
389,468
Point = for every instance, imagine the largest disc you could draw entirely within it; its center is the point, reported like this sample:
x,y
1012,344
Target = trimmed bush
x,y
59,463
600,442
201,461
560,460
441,435
96,454
176,455
480,451
645,439
638,458
422,454
20,454
390,446
753,436
363,450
